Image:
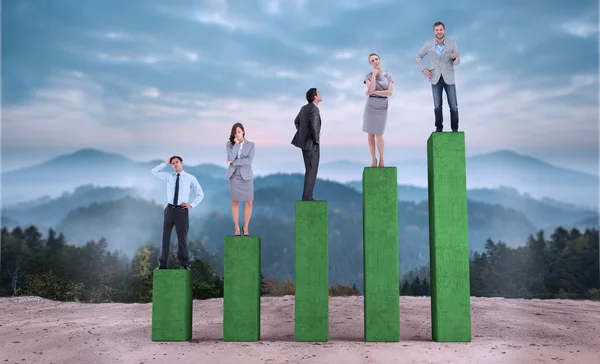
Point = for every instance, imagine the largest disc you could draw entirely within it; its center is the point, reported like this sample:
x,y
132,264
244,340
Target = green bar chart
x,y
241,301
380,255
171,305
312,271
448,238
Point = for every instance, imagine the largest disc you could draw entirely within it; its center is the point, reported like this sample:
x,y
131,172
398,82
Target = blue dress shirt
x,y
440,48
187,183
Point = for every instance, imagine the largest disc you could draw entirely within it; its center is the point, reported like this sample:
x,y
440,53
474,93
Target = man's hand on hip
x,y
428,73
186,205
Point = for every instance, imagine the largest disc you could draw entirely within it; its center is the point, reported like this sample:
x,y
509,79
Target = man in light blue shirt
x,y
179,186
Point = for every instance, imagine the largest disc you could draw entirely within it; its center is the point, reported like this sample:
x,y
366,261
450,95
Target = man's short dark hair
x,y
175,156
439,23
311,94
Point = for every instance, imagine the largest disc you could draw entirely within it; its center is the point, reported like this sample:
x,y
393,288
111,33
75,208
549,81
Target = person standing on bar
x,y
240,154
380,85
307,138
176,213
443,56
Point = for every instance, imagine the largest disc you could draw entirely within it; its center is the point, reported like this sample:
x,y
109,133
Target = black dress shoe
x,y
438,129
454,130
159,267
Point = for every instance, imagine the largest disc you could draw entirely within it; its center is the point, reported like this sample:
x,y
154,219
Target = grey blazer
x,y
244,162
439,66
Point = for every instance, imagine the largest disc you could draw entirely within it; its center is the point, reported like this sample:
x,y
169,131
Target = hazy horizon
x,y
275,159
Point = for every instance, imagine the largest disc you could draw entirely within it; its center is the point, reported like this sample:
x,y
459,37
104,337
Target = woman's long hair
x,y
234,129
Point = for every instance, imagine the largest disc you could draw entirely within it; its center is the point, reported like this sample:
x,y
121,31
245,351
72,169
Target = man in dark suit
x,y
308,129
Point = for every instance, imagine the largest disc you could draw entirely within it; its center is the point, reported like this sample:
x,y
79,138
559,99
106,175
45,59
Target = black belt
x,y
379,97
171,205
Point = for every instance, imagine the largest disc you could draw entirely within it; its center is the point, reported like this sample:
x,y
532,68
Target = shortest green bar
x,y
172,305
241,295
312,272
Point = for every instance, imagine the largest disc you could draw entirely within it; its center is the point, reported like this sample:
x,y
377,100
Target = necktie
x,y
176,197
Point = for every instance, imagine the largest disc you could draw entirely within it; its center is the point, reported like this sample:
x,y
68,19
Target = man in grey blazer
x,y
443,56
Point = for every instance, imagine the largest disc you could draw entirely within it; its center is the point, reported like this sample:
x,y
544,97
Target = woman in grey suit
x,y
379,86
240,153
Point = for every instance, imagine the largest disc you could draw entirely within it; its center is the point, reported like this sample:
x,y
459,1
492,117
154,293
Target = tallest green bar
x,y
448,238
380,254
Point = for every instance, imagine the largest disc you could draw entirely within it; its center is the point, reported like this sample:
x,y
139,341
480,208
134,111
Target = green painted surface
x,y
172,305
241,301
380,249
448,238
312,272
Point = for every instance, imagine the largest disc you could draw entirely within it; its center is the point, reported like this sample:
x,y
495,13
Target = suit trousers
x,y
311,165
437,89
179,217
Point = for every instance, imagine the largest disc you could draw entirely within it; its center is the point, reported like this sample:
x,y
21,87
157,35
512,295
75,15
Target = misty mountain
x,y
87,166
501,168
64,172
130,222
127,211
126,224
533,176
546,212
488,171
49,211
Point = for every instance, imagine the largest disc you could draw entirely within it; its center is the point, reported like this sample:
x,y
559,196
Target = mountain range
x,y
128,222
119,199
499,169
503,168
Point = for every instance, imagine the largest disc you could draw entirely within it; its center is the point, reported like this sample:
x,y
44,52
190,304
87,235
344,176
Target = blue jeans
x,y
437,104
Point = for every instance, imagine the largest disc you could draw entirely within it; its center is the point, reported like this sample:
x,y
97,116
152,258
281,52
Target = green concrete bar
x,y
312,272
380,249
241,301
171,305
448,238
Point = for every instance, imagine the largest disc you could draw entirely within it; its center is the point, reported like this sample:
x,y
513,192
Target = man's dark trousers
x,y
311,165
177,216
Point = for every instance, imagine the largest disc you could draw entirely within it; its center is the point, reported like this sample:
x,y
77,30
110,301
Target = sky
x,y
150,79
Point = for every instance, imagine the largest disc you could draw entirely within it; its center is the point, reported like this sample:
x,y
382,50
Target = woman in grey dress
x,y
379,86
240,153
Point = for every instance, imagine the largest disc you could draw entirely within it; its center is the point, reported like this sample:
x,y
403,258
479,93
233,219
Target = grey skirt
x,y
375,115
239,188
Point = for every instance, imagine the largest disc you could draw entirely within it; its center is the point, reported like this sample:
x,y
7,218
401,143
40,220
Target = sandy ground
x,y
34,330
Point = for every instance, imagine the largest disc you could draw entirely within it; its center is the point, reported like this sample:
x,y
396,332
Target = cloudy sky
x,y
151,78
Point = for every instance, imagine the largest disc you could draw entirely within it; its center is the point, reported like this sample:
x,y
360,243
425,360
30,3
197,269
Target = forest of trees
x,y
564,266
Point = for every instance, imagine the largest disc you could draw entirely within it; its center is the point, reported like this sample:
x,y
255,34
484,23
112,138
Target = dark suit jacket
x,y
308,127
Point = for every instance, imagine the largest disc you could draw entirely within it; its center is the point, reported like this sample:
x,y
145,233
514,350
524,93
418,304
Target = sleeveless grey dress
x,y
376,108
